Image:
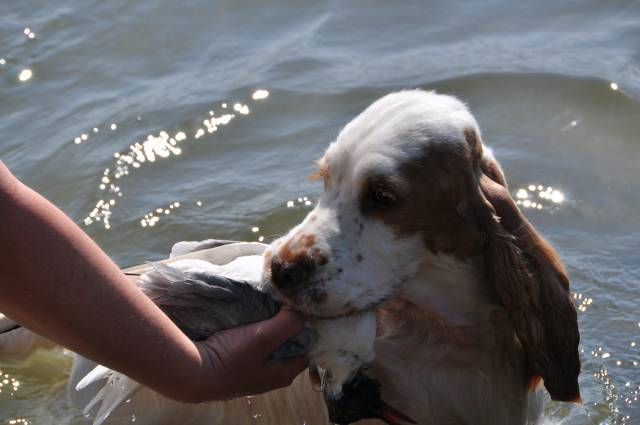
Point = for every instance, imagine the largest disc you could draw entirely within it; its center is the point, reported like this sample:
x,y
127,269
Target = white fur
x,y
344,344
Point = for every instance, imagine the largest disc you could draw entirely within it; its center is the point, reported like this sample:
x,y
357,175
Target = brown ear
x,y
533,286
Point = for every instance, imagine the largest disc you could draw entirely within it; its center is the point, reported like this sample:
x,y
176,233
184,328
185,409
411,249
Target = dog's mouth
x,y
314,302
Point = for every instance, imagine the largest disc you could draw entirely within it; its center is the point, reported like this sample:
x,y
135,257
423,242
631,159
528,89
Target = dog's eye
x,y
382,197
378,196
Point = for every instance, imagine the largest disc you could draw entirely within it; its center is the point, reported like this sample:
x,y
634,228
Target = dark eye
x,y
382,197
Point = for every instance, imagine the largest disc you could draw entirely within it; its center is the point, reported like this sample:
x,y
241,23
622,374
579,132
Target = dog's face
x,y
390,191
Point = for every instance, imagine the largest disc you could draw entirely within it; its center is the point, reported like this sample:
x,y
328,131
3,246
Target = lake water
x,y
103,108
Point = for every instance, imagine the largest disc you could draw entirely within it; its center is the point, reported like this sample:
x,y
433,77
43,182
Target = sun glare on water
x,y
156,148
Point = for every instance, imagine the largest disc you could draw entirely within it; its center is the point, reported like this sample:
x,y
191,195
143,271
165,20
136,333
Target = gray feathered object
x,y
201,304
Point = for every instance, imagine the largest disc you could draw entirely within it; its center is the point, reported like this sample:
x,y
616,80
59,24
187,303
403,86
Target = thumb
x,y
270,333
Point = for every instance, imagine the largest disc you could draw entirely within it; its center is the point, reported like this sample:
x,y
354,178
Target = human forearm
x,y
57,282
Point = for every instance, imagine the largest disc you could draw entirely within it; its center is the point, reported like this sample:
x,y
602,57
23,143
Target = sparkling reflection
x,y
8,384
538,197
151,218
302,201
583,302
25,75
243,109
30,34
154,148
613,395
256,229
260,94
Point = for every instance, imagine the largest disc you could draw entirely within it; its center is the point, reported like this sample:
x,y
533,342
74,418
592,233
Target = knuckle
x,y
260,337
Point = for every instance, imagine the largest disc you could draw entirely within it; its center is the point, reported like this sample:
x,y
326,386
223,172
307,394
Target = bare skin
x,y
57,282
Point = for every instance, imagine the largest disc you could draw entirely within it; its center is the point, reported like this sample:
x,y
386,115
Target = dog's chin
x,y
305,302
321,312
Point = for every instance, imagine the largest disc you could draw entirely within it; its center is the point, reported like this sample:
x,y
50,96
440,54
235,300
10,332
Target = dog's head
x,y
410,176
394,180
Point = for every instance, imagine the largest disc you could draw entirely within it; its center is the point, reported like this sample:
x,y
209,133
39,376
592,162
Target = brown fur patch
x,y
434,206
318,296
532,285
267,259
323,172
488,167
308,241
493,170
534,380
285,252
302,250
320,258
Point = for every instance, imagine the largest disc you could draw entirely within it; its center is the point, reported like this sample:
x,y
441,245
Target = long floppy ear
x,y
532,285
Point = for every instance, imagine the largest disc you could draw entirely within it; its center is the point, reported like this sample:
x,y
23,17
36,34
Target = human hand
x,y
238,361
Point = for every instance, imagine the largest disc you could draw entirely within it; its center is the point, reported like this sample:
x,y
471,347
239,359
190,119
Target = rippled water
x,y
161,121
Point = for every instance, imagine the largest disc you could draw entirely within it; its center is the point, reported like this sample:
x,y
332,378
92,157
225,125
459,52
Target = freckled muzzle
x,y
293,267
289,275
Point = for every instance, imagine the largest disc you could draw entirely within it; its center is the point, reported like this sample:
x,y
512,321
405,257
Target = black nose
x,y
291,274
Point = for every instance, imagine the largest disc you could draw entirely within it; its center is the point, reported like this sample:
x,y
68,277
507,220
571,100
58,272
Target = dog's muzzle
x,y
289,275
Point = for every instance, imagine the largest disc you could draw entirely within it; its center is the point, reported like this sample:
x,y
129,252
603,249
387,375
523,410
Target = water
x,y
554,85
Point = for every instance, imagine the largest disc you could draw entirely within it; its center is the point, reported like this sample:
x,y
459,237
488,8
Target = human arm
x,y
57,282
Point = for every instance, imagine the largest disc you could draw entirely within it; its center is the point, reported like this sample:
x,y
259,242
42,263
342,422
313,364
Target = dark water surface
x,y
555,87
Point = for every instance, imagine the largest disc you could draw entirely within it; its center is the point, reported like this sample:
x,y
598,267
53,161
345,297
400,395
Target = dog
x,y
416,223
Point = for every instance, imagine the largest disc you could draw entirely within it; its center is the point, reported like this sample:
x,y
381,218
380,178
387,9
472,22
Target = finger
x,y
283,372
270,333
